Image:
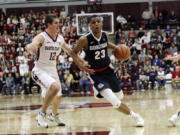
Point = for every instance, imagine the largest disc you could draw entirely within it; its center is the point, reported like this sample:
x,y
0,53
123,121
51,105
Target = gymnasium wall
x,y
134,9
168,6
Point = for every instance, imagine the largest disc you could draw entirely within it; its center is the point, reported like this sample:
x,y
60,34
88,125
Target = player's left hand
x,y
167,58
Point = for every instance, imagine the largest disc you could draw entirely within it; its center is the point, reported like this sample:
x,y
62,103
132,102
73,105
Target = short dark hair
x,y
49,19
90,17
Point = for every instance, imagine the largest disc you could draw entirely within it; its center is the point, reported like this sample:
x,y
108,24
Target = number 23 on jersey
x,y
99,54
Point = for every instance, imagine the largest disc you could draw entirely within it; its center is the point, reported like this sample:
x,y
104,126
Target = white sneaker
x,y
173,119
55,118
41,120
139,121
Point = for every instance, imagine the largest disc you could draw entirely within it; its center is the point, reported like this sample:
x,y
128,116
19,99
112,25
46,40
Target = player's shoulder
x,y
60,37
39,37
83,38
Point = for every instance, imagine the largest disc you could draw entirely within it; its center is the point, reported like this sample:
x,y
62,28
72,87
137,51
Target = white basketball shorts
x,y
45,79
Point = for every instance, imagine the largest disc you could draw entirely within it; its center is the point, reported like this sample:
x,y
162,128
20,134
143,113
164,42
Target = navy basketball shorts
x,y
106,79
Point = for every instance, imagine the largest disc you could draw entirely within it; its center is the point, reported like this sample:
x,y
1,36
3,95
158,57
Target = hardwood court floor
x,y
88,116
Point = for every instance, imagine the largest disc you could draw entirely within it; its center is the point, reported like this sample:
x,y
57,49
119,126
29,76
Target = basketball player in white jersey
x,y
95,45
175,116
47,45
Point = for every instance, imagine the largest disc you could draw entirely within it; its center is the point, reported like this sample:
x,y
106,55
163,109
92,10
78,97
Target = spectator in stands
x,y
68,80
161,20
178,35
137,46
118,35
25,83
146,16
152,78
161,78
125,80
121,22
17,83
131,22
84,83
168,30
76,77
9,85
172,19
65,88
2,82
132,34
143,81
23,68
176,77
157,61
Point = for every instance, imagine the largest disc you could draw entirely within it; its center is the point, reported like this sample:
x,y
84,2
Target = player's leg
x,y
49,90
121,107
54,116
51,93
49,96
174,118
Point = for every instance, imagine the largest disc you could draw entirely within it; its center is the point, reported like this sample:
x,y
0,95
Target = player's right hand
x,y
86,67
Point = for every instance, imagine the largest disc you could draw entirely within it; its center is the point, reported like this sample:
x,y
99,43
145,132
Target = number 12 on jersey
x,y
52,56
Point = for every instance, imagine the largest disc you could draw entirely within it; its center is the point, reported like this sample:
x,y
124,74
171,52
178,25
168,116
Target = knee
x,y
116,104
55,87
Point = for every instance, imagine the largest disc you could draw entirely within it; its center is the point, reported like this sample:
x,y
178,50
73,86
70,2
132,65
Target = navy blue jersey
x,y
97,53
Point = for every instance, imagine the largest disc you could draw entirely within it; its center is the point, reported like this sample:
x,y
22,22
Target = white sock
x,y
133,114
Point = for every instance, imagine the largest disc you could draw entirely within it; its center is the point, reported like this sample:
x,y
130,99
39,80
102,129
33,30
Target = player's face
x,y
55,25
96,24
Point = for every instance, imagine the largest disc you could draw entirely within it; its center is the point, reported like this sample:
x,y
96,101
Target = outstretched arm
x,y
77,60
174,58
36,43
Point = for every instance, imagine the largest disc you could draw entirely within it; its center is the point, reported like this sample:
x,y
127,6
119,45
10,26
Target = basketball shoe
x,y
139,120
41,119
55,118
174,118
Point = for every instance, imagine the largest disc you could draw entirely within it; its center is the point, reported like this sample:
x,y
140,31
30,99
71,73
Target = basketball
x,y
122,52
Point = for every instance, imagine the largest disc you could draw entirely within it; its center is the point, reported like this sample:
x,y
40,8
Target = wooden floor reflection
x,y
88,116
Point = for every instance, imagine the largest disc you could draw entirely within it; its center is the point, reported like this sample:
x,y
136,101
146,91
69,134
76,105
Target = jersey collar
x,y
98,39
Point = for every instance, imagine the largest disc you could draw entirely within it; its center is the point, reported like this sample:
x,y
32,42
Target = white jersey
x,y
48,52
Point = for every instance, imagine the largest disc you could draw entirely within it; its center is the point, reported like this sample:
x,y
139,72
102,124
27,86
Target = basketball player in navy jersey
x,y
47,45
95,45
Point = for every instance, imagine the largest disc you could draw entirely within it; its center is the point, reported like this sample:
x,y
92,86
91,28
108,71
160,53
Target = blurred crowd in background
x,y
154,37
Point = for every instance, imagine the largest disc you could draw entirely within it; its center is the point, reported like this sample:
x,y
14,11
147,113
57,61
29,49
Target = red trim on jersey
x,y
100,69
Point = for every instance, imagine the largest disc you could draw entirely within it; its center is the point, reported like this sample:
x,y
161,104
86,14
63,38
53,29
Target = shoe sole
x,y
172,123
140,125
61,125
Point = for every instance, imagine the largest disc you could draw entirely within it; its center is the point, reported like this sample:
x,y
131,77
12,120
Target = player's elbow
x,y
27,48
31,48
